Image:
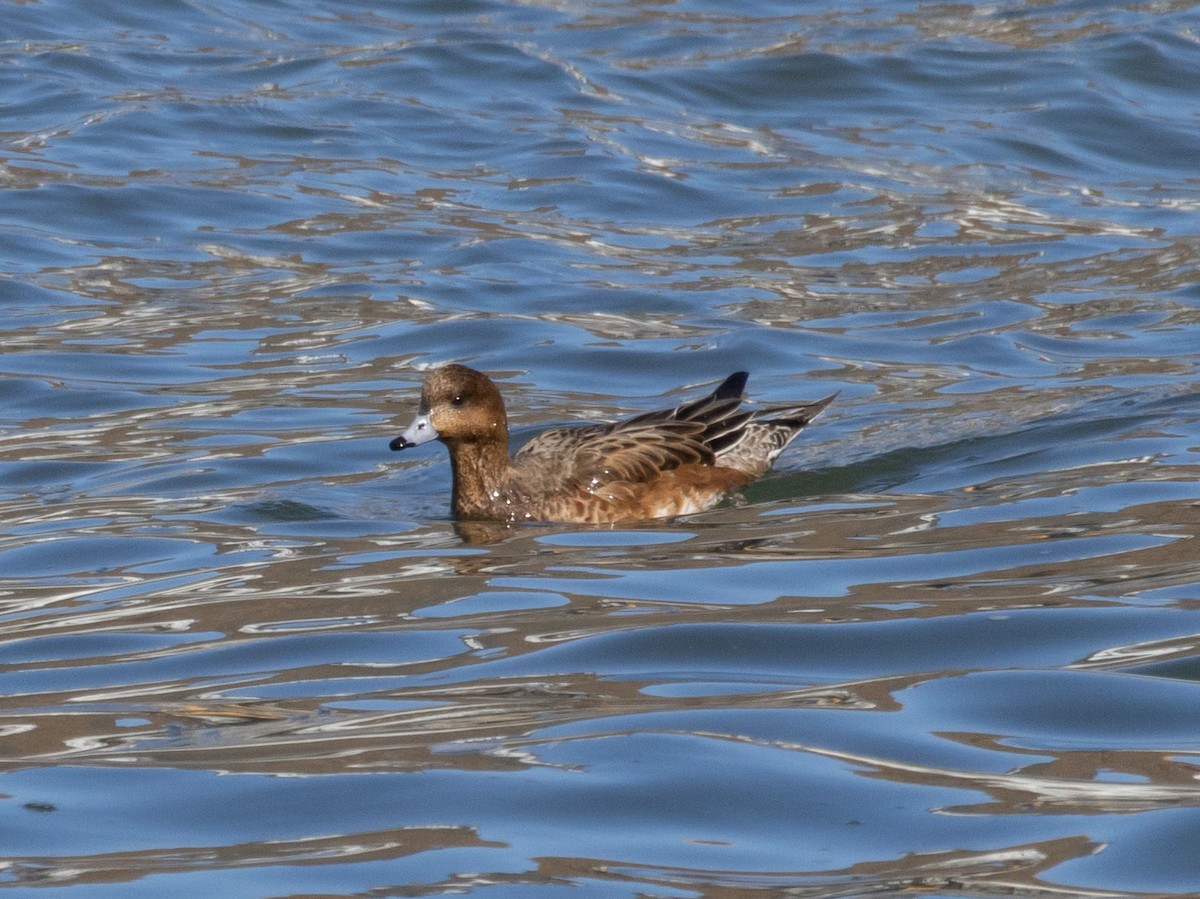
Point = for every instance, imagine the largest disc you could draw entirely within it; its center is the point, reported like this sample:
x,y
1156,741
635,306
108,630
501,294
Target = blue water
x,y
948,648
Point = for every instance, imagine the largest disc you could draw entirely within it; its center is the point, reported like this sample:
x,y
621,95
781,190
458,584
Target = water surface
x,y
949,648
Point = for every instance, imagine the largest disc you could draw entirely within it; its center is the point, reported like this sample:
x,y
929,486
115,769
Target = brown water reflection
x,y
126,867
1008,871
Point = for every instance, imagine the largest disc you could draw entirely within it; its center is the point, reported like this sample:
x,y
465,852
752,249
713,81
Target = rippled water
x,y
950,648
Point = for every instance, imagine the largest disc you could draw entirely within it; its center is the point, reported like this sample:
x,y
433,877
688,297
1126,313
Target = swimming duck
x,y
671,462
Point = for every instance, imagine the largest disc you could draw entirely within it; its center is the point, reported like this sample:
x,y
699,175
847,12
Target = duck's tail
x,y
763,434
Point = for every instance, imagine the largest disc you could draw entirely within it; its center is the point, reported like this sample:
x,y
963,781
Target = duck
x,y
655,465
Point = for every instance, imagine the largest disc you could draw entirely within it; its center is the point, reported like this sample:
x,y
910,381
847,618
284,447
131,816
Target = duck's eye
x,y
456,400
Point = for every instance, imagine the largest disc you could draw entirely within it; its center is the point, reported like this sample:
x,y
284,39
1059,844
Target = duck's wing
x,y
640,448
595,455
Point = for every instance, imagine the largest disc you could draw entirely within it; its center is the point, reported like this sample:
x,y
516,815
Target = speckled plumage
x,y
664,463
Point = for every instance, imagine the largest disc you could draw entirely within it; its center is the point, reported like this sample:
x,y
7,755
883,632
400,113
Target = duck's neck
x,y
478,470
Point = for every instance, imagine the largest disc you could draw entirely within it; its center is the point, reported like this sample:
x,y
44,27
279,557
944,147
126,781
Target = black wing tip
x,y
733,386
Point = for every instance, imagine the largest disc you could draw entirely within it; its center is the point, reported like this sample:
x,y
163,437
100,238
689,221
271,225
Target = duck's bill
x,y
420,431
